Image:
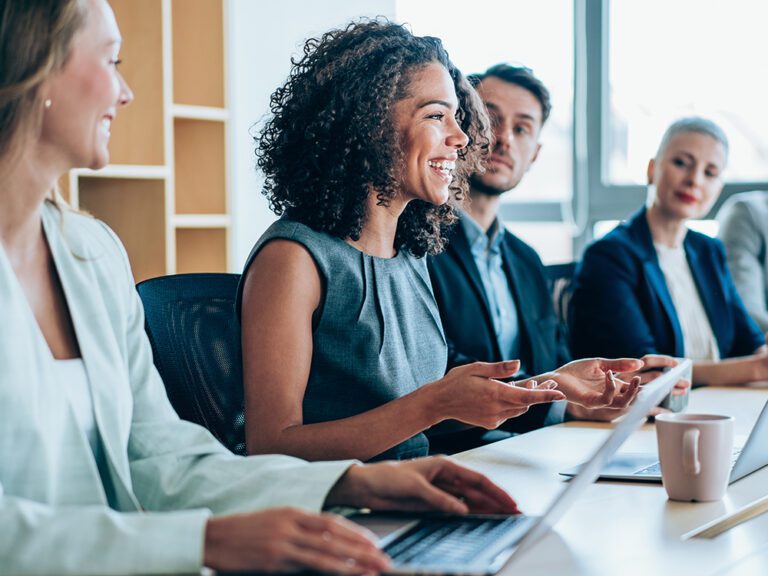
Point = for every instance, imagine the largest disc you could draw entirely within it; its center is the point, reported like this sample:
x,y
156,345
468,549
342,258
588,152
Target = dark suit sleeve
x,y
564,354
455,356
747,334
461,315
606,316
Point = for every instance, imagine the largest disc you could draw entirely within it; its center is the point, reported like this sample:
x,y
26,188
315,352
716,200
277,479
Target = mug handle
x,y
691,463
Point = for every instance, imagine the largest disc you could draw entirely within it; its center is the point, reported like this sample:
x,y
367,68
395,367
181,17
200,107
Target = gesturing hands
x,y
473,395
592,382
653,366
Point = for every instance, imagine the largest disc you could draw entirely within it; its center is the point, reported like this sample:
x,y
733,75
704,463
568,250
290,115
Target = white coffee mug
x,y
695,451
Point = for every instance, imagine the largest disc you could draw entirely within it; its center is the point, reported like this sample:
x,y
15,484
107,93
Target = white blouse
x,y
74,380
699,341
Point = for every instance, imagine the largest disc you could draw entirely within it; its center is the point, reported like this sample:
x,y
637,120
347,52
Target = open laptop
x,y
480,545
644,467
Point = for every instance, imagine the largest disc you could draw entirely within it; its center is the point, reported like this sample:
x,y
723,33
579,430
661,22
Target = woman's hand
x,y
436,483
760,361
471,394
591,382
289,540
653,366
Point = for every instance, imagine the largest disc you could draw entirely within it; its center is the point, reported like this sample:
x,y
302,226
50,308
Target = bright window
x,y
669,59
553,241
535,34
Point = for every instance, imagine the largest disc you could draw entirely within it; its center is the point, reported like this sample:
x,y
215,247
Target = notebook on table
x,y
479,545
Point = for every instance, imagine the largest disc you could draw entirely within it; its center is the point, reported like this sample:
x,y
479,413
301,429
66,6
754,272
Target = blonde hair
x,y
35,41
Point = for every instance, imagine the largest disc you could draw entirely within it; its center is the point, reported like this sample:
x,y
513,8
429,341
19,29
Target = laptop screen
x,y
650,395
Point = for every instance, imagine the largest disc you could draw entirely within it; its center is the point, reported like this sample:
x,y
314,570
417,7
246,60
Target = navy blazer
x,y
621,305
466,315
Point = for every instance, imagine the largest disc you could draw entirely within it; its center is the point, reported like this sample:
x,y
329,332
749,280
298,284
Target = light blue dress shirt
x,y
486,250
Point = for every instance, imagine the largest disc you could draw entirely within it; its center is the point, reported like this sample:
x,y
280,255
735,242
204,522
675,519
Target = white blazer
x,y
54,517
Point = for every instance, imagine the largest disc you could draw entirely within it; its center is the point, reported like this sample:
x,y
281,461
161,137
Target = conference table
x,y
626,528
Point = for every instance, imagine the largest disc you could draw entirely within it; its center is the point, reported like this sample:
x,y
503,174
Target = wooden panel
x,y
200,167
201,250
134,210
198,52
63,185
137,133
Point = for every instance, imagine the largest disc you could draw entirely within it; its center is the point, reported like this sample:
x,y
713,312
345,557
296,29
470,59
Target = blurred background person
x,y
654,286
744,231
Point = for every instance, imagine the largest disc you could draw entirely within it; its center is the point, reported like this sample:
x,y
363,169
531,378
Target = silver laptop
x,y
644,467
479,545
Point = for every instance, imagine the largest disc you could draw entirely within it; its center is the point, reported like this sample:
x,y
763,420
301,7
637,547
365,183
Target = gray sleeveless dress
x,y
377,333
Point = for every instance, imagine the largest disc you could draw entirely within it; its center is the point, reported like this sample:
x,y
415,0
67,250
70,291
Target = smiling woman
x,y
369,147
82,100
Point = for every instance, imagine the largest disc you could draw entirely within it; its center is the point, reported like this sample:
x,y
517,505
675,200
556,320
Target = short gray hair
x,y
690,124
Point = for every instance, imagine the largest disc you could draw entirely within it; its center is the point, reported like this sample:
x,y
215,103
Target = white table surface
x,y
622,528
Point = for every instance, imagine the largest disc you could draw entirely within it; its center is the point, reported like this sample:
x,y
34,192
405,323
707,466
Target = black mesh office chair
x,y
195,338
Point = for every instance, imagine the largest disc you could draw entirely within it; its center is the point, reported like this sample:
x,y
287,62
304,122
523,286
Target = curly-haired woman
x,y
369,144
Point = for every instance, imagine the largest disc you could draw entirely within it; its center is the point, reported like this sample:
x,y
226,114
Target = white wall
x,y
261,38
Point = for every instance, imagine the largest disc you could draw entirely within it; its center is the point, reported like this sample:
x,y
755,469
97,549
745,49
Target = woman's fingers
x,y
625,398
609,390
477,490
494,369
620,364
336,544
520,396
337,526
653,366
658,361
322,561
681,387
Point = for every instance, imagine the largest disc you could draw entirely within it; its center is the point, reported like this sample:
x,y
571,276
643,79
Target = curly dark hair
x,y
331,135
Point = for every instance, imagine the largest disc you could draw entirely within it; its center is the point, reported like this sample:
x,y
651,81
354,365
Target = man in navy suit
x,y
490,286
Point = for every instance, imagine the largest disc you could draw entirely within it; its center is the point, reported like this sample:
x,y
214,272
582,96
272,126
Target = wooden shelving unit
x,y
166,190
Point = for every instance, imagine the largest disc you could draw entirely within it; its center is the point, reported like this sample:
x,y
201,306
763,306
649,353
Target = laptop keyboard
x,y
448,541
655,469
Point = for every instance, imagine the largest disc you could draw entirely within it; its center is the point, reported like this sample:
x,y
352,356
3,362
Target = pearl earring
x,y
47,103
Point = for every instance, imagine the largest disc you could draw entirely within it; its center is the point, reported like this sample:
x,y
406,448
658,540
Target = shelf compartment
x,y
201,220
141,26
125,171
201,250
134,209
63,185
200,167
198,52
199,112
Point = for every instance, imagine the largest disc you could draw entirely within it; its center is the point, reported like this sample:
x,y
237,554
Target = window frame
x,y
594,198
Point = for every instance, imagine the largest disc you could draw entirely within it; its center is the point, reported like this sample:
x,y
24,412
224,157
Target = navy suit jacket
x,y
621,305
466,316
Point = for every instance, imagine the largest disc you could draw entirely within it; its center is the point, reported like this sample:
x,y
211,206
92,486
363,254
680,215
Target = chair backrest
x,y
561,278
195,337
